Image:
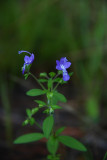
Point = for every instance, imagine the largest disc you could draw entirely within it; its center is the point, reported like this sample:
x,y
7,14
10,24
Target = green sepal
x,y
27,138
52,74
52,145
71,73
72,143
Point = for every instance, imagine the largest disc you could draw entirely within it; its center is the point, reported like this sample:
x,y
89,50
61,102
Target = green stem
x,y
56,86
37,81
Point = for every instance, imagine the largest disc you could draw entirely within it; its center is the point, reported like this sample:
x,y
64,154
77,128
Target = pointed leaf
x,y
40,102
52,145
44,74
29,112
47,126
60,97
72,143
60,130
56,107
27,138
36,92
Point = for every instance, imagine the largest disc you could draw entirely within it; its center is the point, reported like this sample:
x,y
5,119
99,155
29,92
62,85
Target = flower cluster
x,y
63,64
27,60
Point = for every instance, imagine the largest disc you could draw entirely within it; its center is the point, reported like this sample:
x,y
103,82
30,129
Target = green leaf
x,y
26,75
25,122
52,74
43,80
60,130
60,97
44,74
47,126
29,112
34,110
40,102
105,156
58,80
56,107
32,121
72,143
71,73
36,92
46,111
52,145
27,138
50,83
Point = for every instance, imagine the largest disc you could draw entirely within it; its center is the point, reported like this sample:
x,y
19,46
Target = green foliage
x,y
27,138
52,74
52,145
59,97
41,103
59,131
56,107
26,75
72,143
35,110
32,121
53,157
43,74
48,125
36,92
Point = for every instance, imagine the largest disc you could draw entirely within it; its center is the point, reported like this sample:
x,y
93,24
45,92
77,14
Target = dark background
x,y
53,29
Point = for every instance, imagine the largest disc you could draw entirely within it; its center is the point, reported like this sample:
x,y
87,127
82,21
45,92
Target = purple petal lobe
x,y
66,76
67,64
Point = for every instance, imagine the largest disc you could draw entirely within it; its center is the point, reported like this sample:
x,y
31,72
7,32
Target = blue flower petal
x,y
66,76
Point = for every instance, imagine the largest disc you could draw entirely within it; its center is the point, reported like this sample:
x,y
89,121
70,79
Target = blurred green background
x,y
51,29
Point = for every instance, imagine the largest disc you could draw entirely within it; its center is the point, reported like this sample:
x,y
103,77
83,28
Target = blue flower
x,y
27,60
63,64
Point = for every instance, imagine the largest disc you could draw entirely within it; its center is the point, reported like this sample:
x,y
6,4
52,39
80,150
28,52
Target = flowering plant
x,y
52,79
